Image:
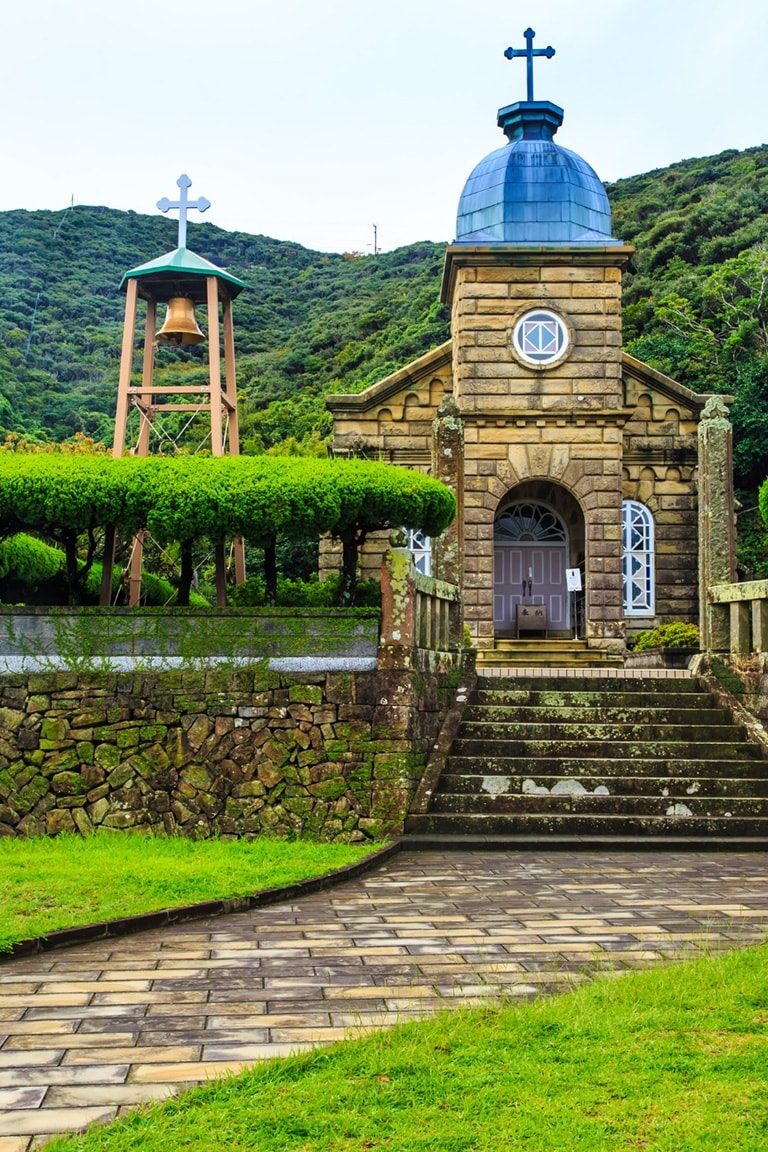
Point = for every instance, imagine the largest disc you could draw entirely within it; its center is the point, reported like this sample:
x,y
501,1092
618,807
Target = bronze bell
x,y
180,325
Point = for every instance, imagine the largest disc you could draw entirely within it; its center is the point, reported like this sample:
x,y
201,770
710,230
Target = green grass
x,y
673,1060
70,880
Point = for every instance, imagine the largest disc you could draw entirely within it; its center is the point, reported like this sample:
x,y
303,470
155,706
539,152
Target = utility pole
x,y
375,239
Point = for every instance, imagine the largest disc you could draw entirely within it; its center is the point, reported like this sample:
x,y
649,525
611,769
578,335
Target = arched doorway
x,y
538,534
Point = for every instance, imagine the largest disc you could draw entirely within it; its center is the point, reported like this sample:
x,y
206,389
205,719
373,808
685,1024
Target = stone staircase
x,y
570,760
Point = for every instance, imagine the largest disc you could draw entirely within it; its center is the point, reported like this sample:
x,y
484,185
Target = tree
x,y
376,496
62,498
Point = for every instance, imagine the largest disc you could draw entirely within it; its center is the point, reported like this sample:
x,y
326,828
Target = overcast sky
x,y
311,120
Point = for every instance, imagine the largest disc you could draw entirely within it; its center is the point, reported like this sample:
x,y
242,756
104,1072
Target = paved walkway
x,y
89,1031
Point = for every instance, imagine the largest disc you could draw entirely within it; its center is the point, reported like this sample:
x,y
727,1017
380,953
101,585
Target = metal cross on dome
x,y
183,204
529,52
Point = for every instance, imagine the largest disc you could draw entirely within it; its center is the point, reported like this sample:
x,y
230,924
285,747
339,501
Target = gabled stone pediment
x,y
641,377
392,419
393,389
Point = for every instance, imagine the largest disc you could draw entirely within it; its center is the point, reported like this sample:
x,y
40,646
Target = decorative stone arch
x,y
590,484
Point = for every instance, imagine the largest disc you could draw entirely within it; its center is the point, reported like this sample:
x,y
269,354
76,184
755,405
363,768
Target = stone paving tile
x,y
43,1056
195,1072
21,1097
29,1123
147,1055
87,1075
78,1097
91,1031
72,1041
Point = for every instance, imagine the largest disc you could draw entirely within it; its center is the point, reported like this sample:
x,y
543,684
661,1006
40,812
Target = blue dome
x,y
532,191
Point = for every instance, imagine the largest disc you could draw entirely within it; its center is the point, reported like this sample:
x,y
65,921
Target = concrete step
x,y
510,697
545,660
624,750
537,826
656,713
580,841
484,767
615,781
545,653
536,644
478,730
602,805
580,683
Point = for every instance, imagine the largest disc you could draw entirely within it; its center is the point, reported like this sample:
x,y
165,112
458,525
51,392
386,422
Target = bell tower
x,y
182,281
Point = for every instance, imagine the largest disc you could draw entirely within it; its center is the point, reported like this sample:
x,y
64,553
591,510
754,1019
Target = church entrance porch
x,y
527,574
538,533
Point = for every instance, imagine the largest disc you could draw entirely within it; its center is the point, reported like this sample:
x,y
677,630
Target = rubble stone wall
x,y
233,752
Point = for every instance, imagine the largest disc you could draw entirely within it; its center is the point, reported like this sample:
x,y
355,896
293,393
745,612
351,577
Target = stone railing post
x,y
717,536
448,467
398,609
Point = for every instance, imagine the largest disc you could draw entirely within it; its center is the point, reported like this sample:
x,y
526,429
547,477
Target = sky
x,y
314,120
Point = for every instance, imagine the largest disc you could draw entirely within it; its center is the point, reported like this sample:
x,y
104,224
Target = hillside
x,y
696,306
309,322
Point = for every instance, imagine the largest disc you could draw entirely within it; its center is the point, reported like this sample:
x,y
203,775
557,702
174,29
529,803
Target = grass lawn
x,y
672,1060
70,880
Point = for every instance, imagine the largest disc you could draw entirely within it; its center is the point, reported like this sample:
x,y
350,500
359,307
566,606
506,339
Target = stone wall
x,y
660,471
227,752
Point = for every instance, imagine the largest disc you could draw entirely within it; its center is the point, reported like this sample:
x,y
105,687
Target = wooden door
x,y
545,566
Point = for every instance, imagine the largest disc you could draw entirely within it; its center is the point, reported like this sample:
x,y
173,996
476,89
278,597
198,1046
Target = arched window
x,y
637,564
528,522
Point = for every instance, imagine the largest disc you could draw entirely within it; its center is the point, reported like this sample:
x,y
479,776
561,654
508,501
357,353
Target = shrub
x,y
676,635
298,593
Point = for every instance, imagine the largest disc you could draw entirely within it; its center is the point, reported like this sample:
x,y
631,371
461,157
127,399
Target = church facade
x,y
574,464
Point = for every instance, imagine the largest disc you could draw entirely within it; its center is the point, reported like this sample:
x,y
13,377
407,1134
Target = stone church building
x,y
575,465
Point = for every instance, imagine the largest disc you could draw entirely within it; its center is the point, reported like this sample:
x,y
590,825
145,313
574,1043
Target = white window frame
x,y
541,358
638,559
420,547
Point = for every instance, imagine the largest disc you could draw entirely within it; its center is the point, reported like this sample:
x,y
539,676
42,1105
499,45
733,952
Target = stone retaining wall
x,y
233,752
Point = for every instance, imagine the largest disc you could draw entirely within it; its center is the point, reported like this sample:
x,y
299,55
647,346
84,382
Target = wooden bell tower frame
x,y
179,273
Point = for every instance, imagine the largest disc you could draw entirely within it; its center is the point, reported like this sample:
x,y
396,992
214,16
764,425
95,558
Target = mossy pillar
x,y
448,467
717,533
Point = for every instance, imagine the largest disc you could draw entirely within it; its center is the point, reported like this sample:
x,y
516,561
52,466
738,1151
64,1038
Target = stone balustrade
x,y
738,617
417,611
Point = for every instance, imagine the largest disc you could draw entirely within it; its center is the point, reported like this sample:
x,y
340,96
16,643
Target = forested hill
x,y
696,306
308,323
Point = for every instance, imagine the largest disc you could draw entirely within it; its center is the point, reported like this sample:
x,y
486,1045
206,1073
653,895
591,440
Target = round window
x,y
540,338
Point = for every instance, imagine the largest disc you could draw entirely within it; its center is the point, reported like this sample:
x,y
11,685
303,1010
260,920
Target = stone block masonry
x,y
234,752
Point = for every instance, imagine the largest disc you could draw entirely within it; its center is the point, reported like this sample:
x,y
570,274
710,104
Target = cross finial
x,y
183,205
529,52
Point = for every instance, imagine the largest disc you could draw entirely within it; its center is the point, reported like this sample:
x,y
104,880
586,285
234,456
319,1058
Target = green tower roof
x,y
179,273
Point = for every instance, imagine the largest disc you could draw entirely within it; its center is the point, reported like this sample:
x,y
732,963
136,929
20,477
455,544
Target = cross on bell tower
x,y
183,204
529,52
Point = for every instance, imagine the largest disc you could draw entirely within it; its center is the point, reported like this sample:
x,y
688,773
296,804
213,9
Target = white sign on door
x,y
573,578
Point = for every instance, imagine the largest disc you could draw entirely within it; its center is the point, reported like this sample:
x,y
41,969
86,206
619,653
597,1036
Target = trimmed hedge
x,y
186,499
